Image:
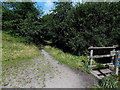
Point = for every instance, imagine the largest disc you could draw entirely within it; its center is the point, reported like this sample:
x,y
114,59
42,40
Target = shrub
x,y
109,82
89,24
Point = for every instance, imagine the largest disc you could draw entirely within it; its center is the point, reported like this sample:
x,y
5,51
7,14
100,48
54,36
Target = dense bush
x,y
21,19
84,25
95,24
72,28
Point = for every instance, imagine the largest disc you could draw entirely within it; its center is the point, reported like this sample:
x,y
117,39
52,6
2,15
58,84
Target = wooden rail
x,y
111,47
100,56
111,54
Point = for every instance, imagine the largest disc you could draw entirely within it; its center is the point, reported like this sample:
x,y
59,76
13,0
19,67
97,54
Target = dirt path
x,y
45,72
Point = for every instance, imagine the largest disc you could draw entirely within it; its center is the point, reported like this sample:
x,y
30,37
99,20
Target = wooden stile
x,y
112,54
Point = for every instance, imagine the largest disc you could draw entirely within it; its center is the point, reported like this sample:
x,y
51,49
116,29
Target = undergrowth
x,y
110,82
16,50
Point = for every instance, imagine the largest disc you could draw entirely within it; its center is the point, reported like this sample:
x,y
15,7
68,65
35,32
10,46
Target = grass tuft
x,y
14,50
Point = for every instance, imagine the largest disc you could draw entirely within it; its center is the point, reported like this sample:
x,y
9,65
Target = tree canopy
x,y
71,28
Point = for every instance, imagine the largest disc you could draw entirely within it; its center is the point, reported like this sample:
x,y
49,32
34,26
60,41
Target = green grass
x,y
76,62
15,50
81,63
110,82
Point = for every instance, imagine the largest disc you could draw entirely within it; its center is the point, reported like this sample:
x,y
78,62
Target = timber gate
x,y
105,56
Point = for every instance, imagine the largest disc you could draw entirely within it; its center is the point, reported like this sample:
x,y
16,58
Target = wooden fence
x,y
103,52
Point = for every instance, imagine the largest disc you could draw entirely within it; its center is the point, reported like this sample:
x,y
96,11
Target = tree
x,y
59,15
76,28
21,18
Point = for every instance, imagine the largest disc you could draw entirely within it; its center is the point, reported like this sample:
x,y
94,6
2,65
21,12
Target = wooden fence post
x,y
91,56
113,57
116,70
116,67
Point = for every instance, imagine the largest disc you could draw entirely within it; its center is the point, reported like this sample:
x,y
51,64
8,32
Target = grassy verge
x,y
76,62
15,50
81,63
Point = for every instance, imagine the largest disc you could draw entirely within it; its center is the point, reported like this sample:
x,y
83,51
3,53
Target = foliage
x,y
84,25
71,28
98,65
54,23
109,82
23,19
96,87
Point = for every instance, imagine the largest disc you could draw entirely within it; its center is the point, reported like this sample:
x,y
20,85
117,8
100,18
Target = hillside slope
x,y
15,50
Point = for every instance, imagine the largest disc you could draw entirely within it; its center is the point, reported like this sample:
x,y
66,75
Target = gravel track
x,y
45,72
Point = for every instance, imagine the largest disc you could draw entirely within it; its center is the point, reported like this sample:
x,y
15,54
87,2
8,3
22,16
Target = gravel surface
x,y
45,72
